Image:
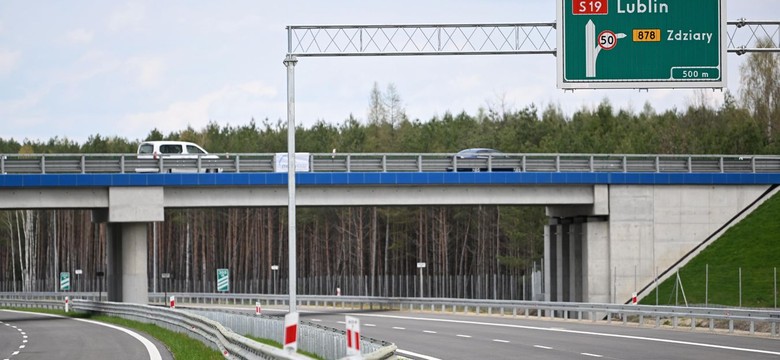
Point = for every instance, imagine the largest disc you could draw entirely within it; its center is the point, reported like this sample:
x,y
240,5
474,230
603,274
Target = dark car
x,y
480,159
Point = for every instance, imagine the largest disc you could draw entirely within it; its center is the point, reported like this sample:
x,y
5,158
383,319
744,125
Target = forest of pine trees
x,y
464,247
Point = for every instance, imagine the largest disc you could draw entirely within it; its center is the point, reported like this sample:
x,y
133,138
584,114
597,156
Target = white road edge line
x,y
429,332
501,341
399,328
592,355
463,336
542,347
426,357
154,354
618,336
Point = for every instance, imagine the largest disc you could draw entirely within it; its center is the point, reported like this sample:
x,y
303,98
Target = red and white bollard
x,y
173,302
67,304
291,332
633,298
353,337
258,310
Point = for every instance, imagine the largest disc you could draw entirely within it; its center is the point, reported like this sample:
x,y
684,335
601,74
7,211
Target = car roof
x,y
167,142
476,150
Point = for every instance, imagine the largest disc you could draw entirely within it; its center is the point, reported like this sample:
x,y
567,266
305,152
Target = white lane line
x,y
341,322
429,332
154,354
369,325
421,356
618,336
463,336
399,328
15,353
542,347
316,320
501,341
592,355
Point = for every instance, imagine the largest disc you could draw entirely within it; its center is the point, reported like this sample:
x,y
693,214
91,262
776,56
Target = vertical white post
x,y
290,62
740,287
706,284
421,283
775,288
154,257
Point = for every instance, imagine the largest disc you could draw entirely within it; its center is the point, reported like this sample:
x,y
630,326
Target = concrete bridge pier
x,y
127,217
127,263
575,249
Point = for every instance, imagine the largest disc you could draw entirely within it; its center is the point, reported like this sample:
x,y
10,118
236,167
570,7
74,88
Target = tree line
x,y
376,242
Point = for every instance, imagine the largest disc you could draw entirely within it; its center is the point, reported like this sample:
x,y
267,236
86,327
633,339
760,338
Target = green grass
x,y
753,245
279,346
180,345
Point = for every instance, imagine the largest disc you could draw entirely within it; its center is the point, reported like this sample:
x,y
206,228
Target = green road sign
x,y
223,280
627,44
65,281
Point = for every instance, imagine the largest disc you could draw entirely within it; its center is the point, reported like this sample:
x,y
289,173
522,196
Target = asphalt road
x,y
25,335
430,336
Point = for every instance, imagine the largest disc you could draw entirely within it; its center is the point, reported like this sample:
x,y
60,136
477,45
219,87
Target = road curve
x,y
27,335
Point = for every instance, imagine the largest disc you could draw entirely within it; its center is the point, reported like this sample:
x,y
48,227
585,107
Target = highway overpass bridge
x,y
616,221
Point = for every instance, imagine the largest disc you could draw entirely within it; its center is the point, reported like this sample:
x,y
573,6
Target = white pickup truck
x,y
176,156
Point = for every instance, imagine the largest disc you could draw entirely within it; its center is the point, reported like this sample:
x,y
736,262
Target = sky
x,y
72,69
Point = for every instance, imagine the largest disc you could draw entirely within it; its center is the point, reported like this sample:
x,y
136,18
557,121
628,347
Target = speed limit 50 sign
x,y
641,43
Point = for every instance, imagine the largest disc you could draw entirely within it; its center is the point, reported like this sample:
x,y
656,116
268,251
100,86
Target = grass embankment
x,y
752,245
180,345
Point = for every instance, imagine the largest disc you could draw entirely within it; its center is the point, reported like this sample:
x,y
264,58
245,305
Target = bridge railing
x,y
392,162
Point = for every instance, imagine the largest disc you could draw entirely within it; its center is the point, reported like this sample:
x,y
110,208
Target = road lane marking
x,y
369,325
542,347
501,341
429,332
399,328
341,322
618,336
591,355
425,357
316,320
463,336
154,353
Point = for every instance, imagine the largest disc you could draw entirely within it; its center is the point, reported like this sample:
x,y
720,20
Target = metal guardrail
x,y
216,328
393,162
313,338
750,321
747,320
212,333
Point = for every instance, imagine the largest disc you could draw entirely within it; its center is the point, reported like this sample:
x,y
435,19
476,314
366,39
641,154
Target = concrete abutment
x,y
632,233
